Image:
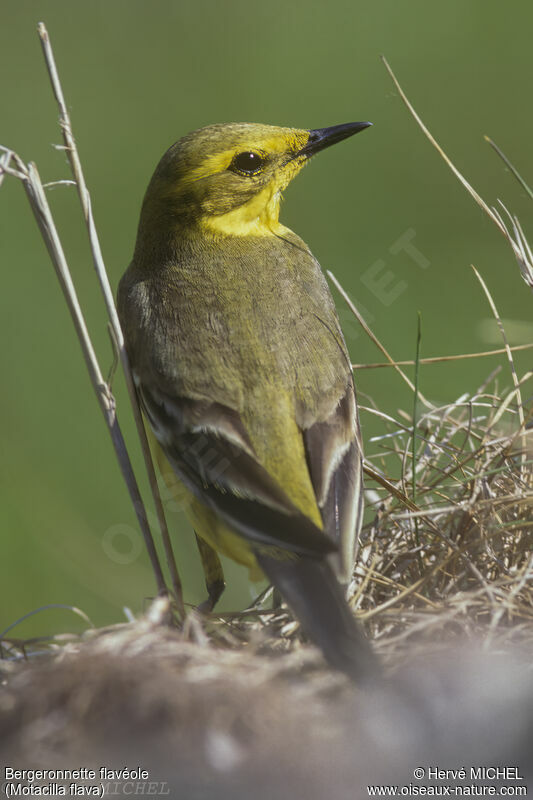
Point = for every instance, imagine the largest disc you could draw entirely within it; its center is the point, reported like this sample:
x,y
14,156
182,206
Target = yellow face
x,y
229,178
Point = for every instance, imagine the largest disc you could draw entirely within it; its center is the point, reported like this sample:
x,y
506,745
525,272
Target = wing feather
x,y
334,456
207,445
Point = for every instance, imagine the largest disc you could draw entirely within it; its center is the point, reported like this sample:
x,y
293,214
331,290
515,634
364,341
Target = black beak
x,y
320,138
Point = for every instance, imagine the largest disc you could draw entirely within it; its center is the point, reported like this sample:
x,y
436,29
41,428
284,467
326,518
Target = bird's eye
x,y
247,163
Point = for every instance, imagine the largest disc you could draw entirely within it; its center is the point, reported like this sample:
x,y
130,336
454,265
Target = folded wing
x,y
334,456
208,447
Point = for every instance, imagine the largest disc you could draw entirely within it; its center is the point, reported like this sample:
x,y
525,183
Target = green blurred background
x,y
138,75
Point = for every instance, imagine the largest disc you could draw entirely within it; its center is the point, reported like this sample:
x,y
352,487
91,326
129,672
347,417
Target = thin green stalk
x,y
510,166
415,422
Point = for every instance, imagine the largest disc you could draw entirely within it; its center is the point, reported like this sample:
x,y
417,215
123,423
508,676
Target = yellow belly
x,y
221,538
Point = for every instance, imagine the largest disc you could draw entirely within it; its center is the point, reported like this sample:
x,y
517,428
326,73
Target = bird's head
x,y
228,178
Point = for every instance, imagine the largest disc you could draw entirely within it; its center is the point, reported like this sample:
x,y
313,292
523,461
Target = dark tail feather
x,y
316,598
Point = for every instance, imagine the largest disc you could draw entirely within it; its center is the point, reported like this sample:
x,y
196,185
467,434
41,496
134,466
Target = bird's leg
x,y
214,575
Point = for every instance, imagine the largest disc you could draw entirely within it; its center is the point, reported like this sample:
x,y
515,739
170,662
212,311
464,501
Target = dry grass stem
x,y
440,359
85,200
31,181
518,244
373,336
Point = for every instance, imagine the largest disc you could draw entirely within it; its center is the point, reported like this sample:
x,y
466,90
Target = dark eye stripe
x,y
247,163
